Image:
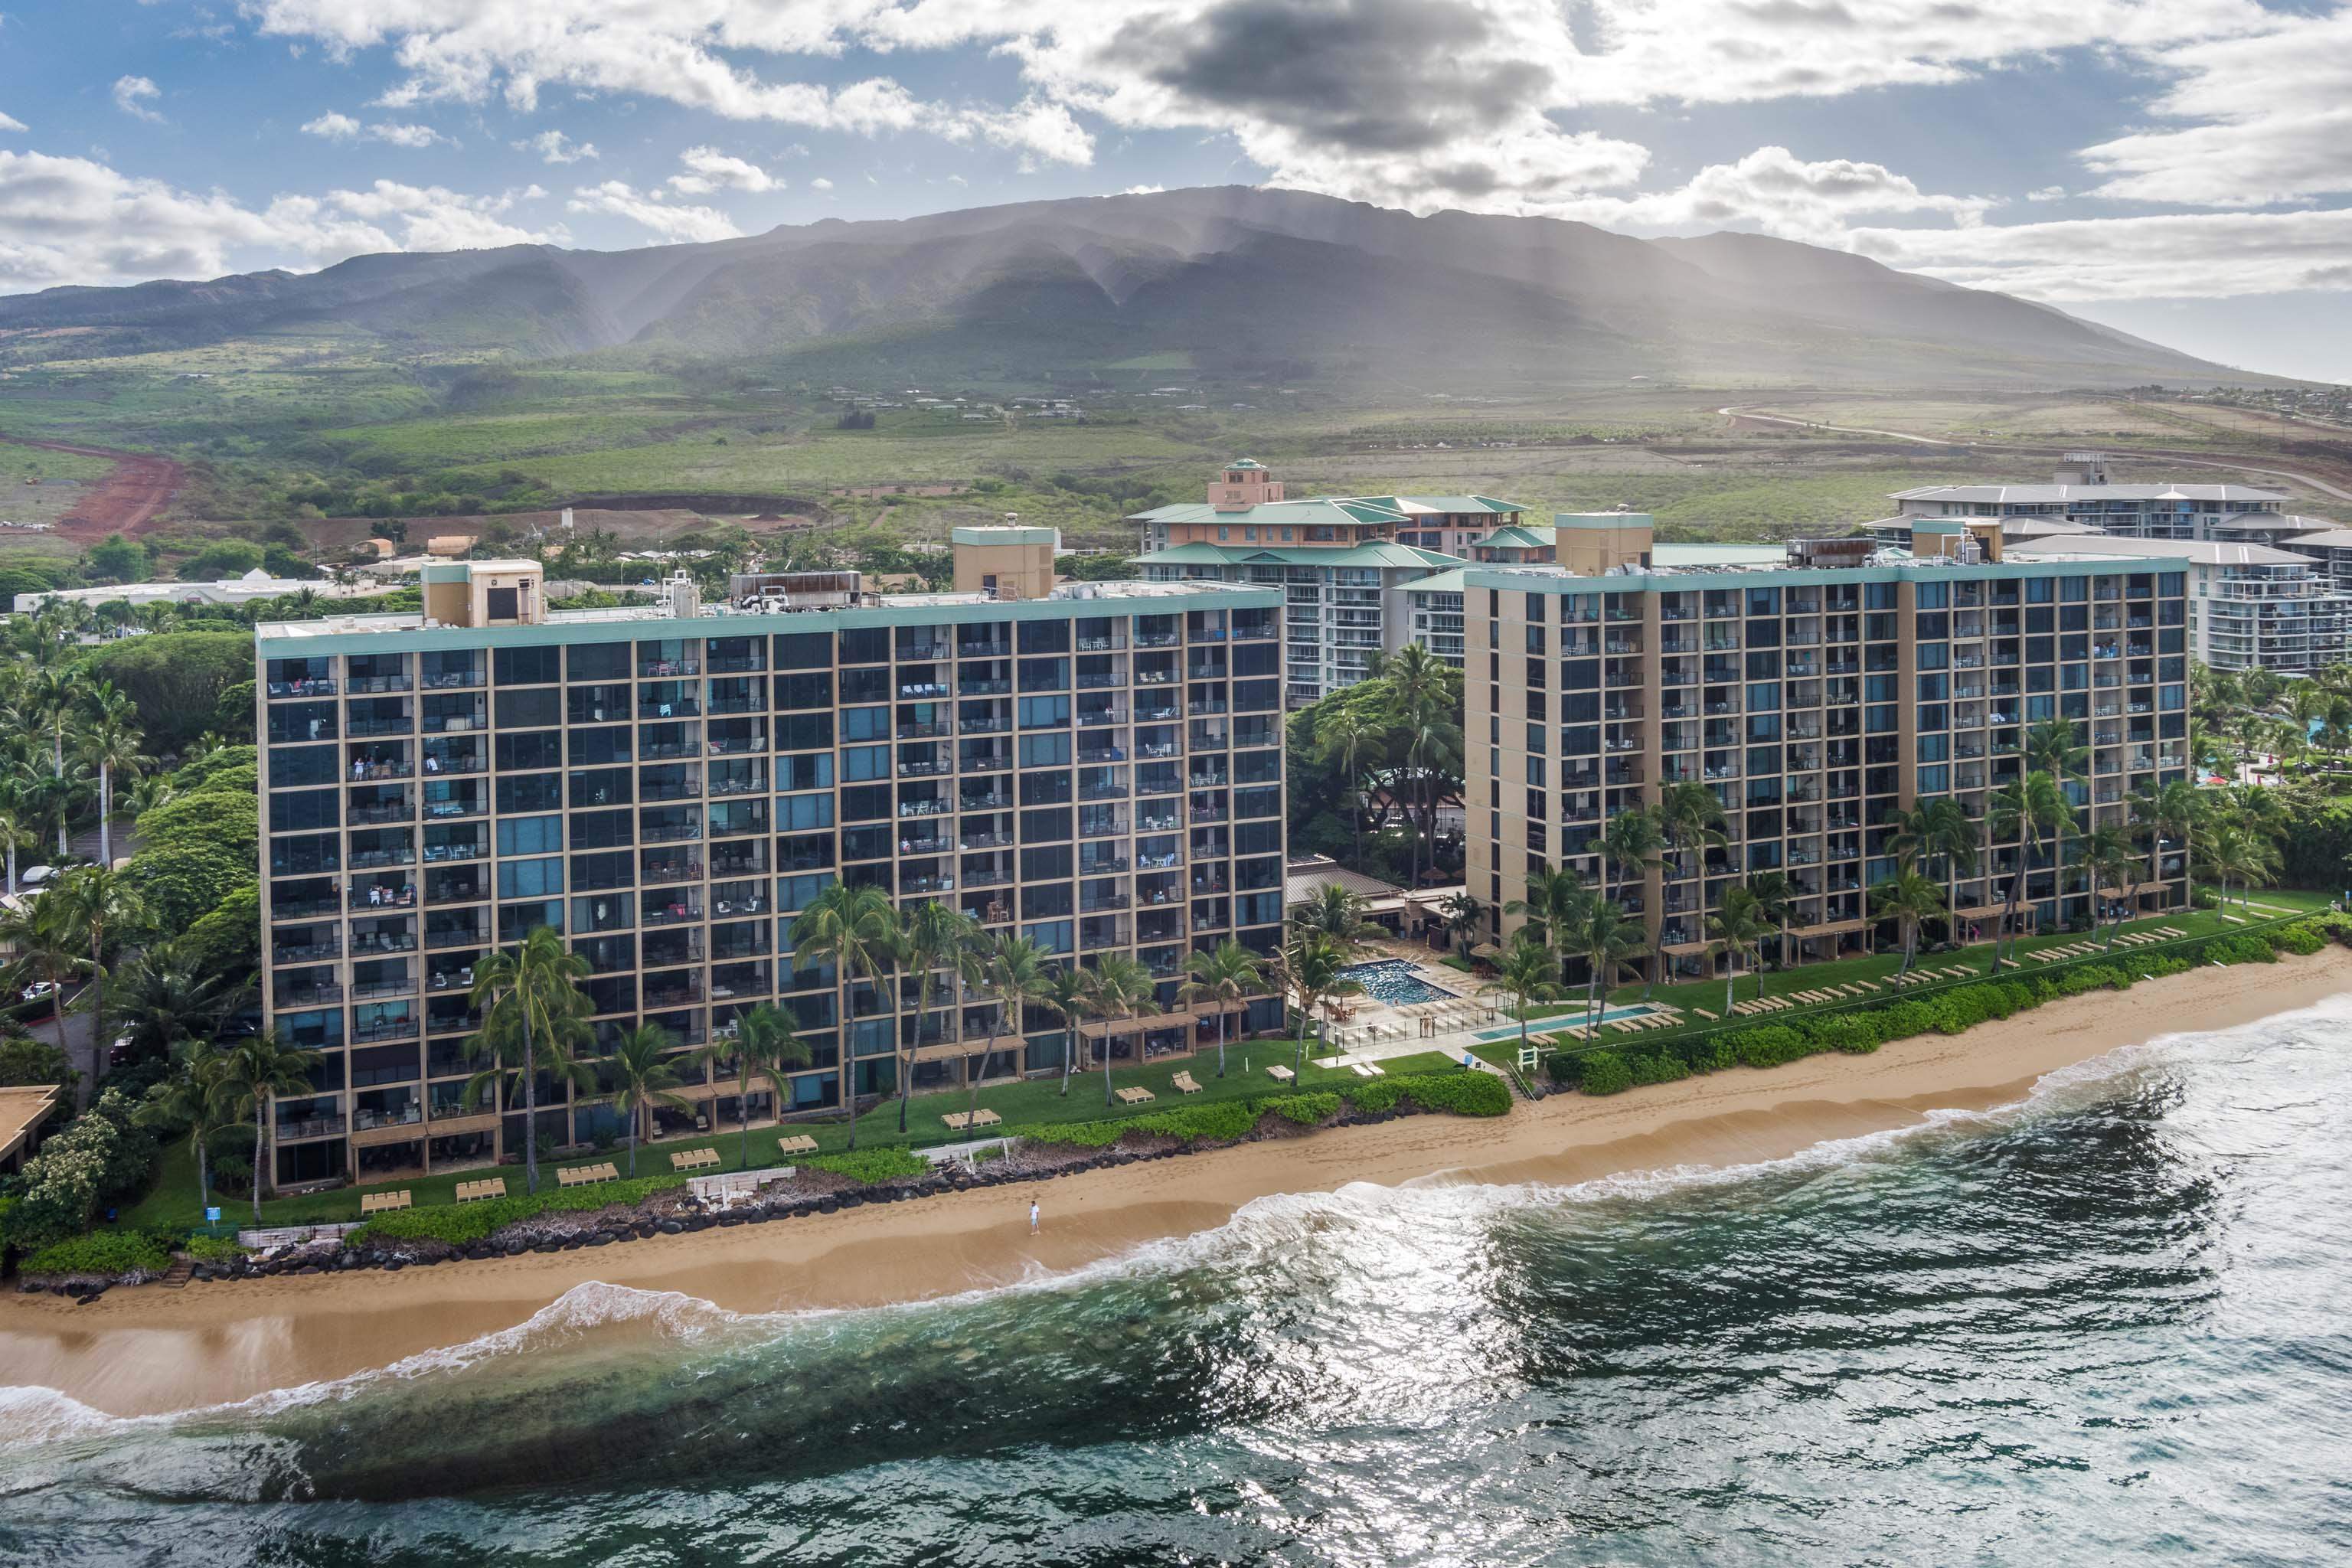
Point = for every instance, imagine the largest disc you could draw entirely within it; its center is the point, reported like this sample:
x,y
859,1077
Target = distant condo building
x,y
1342,562
1815,693
1096,767
2268,589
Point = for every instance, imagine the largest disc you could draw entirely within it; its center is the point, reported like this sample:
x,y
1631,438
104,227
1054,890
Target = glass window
x,y
531,835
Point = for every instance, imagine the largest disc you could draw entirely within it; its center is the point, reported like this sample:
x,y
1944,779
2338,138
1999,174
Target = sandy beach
x,y
150,1350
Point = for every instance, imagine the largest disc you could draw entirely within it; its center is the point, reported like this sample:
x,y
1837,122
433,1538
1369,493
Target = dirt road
x,y
130,500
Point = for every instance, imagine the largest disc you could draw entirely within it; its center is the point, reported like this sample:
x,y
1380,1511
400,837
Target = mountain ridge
x,y
1249,281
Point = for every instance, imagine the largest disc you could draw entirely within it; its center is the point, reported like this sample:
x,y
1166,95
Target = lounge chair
x,y
383,1203
1186,1083
799,1143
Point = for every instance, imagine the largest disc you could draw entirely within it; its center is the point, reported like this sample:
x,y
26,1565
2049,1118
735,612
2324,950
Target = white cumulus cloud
x,y
10,122
337,127
707,169
555,147
133,93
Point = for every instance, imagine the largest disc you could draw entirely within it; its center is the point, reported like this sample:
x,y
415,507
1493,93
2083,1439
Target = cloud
x,y
668,219
10,122
2047,194
76,220
2272,121
2203,255
1142,190
337,127
131,94
1773,190
554,147
819,184
707,169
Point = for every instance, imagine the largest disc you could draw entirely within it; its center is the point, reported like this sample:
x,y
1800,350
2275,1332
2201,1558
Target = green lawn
x,y
1025,1102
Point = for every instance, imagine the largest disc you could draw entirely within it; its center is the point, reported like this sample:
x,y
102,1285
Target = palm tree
x,y
1223,976
17,818
643,1077
1526,972
109,744
2168,815
51,796
765,1047
1607,940
191,1098
252,1073
1064,996
1346,739
2112,862
855,930
1740,927
1338,914
1116,987
47,947
1690,815
1776,896
1909,899
1937,830
1631,842
160,1003
1555,901
932,934
94,901
1015,969
2050,748
1421,687
2032,811
1311,965
1464,917
534,1019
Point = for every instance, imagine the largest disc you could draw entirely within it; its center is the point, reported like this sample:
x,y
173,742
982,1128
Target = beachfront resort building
x,y
2251,606
2081,493
1097,766
1342,562
1815,695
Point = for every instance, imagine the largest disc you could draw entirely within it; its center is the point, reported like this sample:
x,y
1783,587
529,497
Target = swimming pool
x,y
1562,1021
1392,981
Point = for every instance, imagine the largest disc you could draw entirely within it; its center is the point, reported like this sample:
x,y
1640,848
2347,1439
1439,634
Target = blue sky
x,y
2179,168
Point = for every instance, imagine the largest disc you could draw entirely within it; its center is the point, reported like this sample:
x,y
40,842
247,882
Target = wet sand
x,y
149,1350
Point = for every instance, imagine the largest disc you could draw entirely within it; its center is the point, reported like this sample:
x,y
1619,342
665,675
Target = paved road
x,y
2322,486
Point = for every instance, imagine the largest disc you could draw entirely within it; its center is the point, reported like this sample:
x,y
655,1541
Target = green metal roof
x,y
1516,538
1443,583
1404,510
1378,553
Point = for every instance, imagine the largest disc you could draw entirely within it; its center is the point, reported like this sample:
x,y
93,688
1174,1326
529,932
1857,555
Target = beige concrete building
x,y
1096,766
1814,701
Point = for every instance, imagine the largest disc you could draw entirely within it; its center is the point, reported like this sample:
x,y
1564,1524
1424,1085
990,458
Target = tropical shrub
x,y
101,1155
460,1224
1604,1072
126,1255
1462,1093
213,1249
870,1167
1307,1109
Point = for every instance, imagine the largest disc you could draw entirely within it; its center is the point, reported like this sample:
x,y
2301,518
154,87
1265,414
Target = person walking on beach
x,y
1032,1216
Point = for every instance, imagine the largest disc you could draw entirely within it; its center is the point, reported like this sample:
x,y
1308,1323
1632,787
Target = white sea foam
x,y
1435,1203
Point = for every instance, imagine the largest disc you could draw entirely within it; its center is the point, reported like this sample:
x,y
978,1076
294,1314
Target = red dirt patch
x,y
128,501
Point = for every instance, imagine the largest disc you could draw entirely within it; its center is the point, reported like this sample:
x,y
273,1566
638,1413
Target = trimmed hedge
x,y
460,1224
1231,1120
870,1167
1859,1031
1466,1093
117,1253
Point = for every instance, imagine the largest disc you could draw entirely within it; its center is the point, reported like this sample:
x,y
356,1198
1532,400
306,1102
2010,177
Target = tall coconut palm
x,y
1464,915
191,1100
99,903
534,1021
2168,815
643,1076
1338,914
855,930
1607,940
1117,988
1064,994
2032,811
1690,815
1555,901
1909,899
1740,927
1224,976
1934,830
1776,897
252,1073
765,1047
1013,969
932,935
47,948
2110,861
1630,843
1311,966
1527,973
1347,740
52,796
2052,747
160,1003
17,823
109,742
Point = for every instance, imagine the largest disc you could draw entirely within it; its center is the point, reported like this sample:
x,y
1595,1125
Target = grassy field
x,y
1028,1103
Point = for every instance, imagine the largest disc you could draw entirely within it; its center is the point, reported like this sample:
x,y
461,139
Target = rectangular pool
x,y
1562,1021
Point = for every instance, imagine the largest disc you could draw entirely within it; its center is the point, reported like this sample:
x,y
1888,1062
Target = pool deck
x,y
1378,1030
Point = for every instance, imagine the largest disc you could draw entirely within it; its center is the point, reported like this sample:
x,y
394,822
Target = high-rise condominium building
x,y
1096,766
1343,562
1814,698
2081,493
